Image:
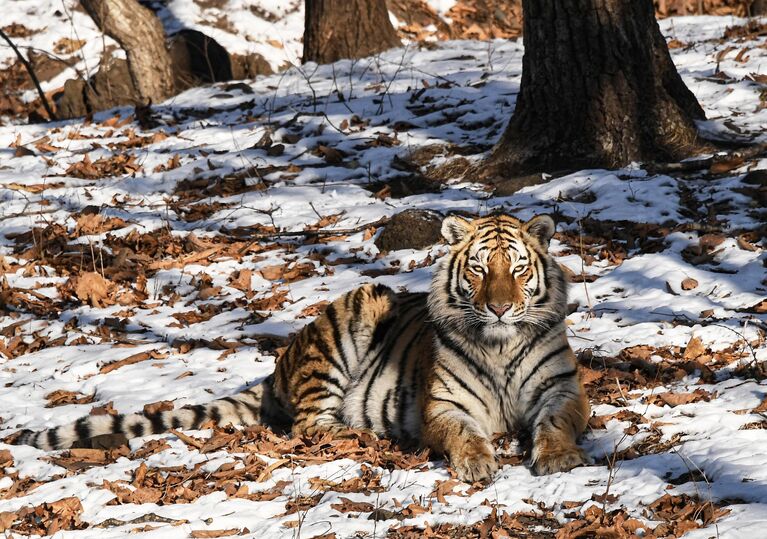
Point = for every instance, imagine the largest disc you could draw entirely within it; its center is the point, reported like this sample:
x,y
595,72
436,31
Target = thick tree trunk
x,y
336,29
758,7
140,34
599,89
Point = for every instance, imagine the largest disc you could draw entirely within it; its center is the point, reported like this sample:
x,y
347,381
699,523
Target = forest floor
x,y
144,266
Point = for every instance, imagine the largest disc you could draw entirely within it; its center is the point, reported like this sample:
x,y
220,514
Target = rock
x,y
756,177
508,186
111,86
404,186
249,65
198,59
410,229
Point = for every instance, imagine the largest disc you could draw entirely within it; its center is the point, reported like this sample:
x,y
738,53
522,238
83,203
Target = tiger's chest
x,y
498,382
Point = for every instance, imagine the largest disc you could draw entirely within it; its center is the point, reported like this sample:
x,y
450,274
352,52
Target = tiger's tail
x,y
253,406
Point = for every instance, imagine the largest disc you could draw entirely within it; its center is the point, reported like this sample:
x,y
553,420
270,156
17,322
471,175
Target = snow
x,y
464,100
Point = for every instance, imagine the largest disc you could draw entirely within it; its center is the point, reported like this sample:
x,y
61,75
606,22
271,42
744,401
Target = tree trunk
x,y
336,29
599,89
140,34
758,7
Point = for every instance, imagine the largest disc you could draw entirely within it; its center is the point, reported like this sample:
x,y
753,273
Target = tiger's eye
x,y
475,268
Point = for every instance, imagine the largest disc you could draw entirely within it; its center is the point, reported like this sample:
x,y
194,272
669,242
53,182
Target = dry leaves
x,y
289,272
497,525
272,302
115,165
61,397
66,45
689,284
313,310
676,399
758,308
90,287
130,360
203,534
106,409
349,506
44,519
694,349
93,223
6,458
160,406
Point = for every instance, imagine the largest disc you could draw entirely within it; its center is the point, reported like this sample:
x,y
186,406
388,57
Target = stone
x,y
410,229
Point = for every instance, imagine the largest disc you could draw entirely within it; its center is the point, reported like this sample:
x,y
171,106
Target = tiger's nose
x,y
499,310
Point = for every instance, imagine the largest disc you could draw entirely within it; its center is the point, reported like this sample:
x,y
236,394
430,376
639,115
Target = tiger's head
x,y
497,276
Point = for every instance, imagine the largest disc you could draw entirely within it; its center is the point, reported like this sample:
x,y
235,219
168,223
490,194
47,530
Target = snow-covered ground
x,y
142,243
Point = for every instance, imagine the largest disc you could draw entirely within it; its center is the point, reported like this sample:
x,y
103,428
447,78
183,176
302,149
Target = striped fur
x,y
484,352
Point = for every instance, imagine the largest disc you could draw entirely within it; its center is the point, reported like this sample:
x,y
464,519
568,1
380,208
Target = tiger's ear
x,y
455,228
541,227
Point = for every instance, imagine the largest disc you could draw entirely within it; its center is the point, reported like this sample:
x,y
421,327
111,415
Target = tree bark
x,y
599,89
758,7
336,29
140,34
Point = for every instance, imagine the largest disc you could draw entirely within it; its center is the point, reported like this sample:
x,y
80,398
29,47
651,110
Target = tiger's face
x,y
495,276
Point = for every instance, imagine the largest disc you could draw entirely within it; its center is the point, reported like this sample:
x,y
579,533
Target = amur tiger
x,y
484,352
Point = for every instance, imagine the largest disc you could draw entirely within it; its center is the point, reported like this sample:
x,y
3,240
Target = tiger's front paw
x,y
559,460
474,460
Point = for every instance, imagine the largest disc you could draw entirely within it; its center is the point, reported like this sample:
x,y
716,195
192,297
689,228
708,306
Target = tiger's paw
x,y
559,460
474,461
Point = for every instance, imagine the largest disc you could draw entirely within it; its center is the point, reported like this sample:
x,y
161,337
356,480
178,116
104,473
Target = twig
x,y
692,165
149,517
314,233
32,75
27,213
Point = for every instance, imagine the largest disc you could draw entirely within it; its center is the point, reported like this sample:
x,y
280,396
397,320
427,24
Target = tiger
x,y
485,351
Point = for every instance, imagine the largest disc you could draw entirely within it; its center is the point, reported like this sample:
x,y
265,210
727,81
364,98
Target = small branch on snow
x,y
708,162
314,233
28,213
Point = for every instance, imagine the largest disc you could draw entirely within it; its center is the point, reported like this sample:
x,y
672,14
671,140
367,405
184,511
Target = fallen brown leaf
x,y
130,360
160,406
689,284
349,506
92,288
61,397
694,348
